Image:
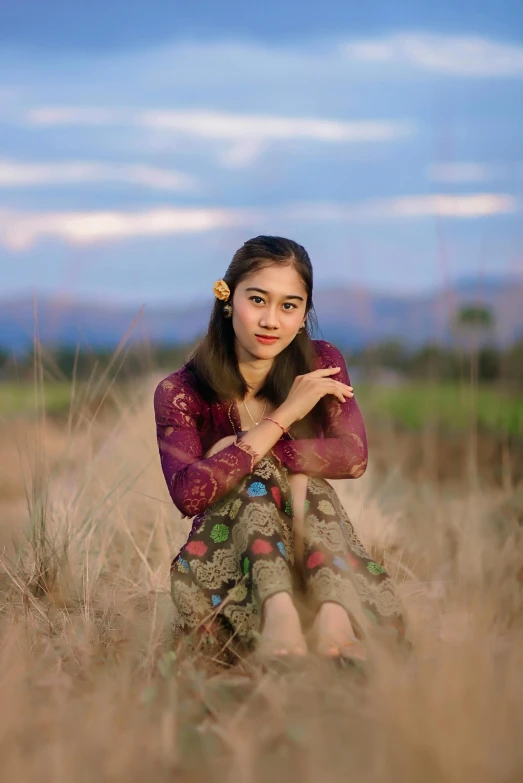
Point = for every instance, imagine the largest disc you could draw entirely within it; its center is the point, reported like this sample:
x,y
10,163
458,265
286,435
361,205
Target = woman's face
x,y
271,302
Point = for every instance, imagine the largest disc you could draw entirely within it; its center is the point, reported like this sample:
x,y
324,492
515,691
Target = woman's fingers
x,y
341,390
328,371
337,388
324,372
314,385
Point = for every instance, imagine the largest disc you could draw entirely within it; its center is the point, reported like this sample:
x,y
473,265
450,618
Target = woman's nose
x,y
270,319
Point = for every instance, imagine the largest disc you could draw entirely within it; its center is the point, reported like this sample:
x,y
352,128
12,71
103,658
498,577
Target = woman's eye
x,y
286,305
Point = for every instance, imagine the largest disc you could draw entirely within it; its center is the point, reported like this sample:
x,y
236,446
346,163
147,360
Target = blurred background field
x,y
140,145
411,405
444,405
445,385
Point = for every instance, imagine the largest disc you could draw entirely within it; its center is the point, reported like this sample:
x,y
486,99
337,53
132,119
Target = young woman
x,y
249,429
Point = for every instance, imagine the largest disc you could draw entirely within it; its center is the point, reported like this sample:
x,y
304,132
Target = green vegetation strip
x,y
452,406
55,398
16,398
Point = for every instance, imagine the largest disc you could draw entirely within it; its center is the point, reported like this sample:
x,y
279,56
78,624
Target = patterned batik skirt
x,y
241,550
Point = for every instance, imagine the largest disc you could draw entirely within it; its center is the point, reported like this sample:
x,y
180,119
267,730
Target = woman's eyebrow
x,y
288,296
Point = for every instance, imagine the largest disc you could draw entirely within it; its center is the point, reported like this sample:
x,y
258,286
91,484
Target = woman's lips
x,y
265,340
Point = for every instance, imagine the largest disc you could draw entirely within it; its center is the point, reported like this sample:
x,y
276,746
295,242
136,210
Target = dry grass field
x,y
91,689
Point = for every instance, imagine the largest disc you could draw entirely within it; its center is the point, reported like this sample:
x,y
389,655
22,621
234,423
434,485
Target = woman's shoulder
x,y
327,353
179,384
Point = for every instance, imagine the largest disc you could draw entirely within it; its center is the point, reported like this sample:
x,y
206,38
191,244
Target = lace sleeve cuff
x,y
276,456
248,450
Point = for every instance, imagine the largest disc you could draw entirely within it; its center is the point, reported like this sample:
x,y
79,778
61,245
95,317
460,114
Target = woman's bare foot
x,y
281,633
334,634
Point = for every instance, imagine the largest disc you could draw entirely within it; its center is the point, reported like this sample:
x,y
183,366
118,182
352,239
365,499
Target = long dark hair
x,y
213,362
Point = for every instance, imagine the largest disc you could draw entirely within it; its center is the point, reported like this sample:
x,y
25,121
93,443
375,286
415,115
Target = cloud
x,y
224,126
236,139
469,171
15,174
219,125
52,116
460,171
21,231
243,154
465,56
476,205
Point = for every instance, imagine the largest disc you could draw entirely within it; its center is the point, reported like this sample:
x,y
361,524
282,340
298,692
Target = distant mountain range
x,y
349,316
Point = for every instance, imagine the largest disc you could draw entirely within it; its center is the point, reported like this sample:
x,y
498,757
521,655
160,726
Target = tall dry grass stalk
x,y
91,688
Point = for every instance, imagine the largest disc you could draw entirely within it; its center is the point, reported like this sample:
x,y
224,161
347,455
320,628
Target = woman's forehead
x,y
281,279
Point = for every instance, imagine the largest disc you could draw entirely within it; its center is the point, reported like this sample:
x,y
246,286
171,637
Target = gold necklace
x,y
250,414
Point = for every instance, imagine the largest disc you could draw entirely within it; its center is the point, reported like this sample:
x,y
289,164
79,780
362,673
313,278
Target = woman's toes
x,y
282,635
327,648
299,649
348,648
295,646
335,635
266,647
353,650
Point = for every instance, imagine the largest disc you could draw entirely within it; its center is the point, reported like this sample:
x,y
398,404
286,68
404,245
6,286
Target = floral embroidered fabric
x,y
243,551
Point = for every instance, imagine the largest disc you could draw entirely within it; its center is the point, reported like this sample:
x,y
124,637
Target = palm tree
x,y
473,326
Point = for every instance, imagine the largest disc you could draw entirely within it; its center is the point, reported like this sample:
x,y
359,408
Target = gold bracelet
x,y
268,418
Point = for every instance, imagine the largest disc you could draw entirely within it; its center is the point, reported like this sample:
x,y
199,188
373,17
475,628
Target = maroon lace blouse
x,y
187,427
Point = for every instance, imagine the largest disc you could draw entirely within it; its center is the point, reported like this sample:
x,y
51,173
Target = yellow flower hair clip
x,y
221,290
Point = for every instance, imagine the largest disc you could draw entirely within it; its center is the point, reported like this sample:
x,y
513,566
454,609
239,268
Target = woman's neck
x,y
253,370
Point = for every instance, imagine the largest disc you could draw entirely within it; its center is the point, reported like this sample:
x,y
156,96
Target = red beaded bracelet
x,y
268,418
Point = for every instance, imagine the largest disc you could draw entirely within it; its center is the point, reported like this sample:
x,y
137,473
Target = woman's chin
x,y
257,350
266,351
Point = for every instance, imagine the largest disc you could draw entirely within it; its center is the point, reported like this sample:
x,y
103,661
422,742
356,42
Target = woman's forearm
x,y
266,434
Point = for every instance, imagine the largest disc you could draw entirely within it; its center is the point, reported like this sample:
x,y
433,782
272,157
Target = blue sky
x,y
142,143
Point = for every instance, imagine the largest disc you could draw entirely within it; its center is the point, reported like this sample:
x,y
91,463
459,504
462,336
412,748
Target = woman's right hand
x,y
308,389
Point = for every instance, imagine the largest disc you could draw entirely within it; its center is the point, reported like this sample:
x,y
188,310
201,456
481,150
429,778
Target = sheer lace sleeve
x,y
193,482
342,453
